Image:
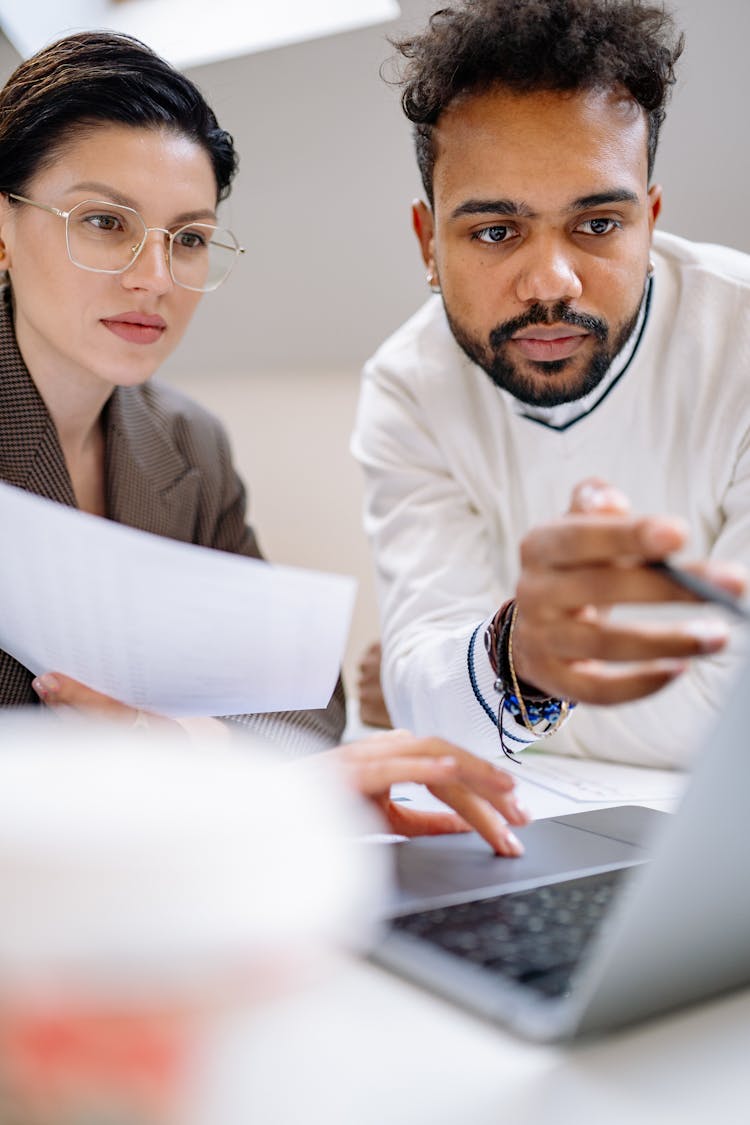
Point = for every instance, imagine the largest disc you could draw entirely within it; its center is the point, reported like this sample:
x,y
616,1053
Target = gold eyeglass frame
x,y
171,235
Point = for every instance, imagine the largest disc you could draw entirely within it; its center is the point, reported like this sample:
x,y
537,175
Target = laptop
x,y
611,916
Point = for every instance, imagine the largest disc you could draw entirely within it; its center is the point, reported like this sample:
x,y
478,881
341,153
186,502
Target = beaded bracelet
x,y
555,711
527,706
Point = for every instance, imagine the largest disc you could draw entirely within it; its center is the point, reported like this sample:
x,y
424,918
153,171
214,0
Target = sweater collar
x,y
566,414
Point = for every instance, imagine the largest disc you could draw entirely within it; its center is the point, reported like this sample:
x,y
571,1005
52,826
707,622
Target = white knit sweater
x,y
456,474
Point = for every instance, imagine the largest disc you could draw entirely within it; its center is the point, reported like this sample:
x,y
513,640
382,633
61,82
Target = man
x,y
572,369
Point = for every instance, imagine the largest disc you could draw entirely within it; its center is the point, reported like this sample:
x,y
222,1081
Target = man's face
x,y
540,234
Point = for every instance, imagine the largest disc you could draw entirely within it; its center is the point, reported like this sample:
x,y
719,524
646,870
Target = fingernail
x,y
729,576
519,810
595,497
513,844
710,634
659,537
46,684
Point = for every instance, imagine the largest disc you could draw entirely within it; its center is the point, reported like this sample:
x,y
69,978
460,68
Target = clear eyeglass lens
x,y
106,237
102,236
202,256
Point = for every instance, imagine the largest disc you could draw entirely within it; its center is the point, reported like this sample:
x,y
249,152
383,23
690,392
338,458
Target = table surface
x,y
358,1046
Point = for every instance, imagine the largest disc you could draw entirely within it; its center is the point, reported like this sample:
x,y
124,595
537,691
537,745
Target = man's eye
x,y
190,240
494,234
599,226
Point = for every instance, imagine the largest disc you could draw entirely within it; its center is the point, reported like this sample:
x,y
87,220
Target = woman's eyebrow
x,y
105,189
125,201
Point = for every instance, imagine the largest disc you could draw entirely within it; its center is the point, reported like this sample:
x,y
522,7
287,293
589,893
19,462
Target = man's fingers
x,y
600,684
577,540
596,496
545,593
581,638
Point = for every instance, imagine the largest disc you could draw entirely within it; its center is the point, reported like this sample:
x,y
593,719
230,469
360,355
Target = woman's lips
x,y
549,348
136,328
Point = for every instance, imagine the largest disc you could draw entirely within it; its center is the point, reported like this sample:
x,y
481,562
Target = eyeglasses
x,y
104,237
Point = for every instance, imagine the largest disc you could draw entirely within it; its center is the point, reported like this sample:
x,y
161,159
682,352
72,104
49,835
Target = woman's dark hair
x,y
95,78
530,45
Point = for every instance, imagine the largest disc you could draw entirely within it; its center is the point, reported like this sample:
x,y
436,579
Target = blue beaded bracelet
x,y
549,710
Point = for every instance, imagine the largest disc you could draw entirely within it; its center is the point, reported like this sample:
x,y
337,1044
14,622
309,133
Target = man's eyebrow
x,y
492,207
522,210
603,199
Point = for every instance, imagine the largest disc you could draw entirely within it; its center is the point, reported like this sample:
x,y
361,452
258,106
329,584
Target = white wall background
x,y
322,203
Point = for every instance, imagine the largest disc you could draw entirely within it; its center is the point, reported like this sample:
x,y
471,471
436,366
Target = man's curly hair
x,y
530,45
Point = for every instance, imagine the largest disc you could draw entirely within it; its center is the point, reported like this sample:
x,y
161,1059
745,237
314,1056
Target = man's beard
x,y
491,357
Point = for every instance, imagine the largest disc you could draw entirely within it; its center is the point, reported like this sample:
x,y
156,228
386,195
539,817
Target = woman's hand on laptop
x,y
481,795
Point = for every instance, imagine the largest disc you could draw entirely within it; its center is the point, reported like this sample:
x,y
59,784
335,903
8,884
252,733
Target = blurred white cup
x,y
145,884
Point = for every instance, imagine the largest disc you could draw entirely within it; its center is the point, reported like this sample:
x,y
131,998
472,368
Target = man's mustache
x,y
544,314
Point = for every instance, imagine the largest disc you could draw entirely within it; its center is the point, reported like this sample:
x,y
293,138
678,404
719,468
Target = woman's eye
x,y
494,234
599,226
103,222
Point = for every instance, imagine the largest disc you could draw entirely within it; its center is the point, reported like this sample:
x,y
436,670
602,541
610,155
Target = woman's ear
x,y
5,218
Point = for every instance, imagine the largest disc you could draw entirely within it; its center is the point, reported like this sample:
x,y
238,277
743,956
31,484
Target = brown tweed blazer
x,y
168,471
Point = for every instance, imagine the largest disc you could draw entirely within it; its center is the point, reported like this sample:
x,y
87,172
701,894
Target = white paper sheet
x,y
167,626
589,781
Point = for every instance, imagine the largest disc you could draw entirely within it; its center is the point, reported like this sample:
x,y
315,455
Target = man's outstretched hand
x,y
573,571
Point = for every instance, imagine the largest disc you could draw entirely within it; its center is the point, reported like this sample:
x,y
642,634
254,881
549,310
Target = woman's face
x,y
98,328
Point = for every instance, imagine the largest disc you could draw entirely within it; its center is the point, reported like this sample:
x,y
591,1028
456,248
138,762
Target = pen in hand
x,y
702,589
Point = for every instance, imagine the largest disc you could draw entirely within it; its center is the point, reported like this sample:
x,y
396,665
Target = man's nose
x,y
547,272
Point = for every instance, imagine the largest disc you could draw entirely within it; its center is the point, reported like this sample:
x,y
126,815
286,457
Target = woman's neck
x,y
75,401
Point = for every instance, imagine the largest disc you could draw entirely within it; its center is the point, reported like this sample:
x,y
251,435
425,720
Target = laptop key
x,y
533,937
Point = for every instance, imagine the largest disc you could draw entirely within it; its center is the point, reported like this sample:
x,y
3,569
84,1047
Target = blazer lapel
x,y
150,485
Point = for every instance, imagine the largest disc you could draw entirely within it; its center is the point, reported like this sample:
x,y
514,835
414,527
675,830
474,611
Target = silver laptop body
x,y
677,930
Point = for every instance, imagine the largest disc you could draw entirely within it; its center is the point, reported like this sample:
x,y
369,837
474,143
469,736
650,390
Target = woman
x,y
112,166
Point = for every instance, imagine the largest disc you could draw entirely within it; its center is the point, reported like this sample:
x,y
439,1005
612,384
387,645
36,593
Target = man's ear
x,y
654,205
424,227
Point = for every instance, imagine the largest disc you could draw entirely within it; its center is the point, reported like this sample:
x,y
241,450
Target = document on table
x,y
166,626
553,785
586,780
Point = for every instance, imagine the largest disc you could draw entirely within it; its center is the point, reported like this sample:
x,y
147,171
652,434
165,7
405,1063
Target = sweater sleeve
x,y
436,588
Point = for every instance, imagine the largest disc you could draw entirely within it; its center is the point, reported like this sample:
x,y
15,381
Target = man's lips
x,y
542,343
136,328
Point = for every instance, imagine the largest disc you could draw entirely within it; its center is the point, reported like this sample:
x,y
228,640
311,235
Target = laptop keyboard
x,y
535,938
